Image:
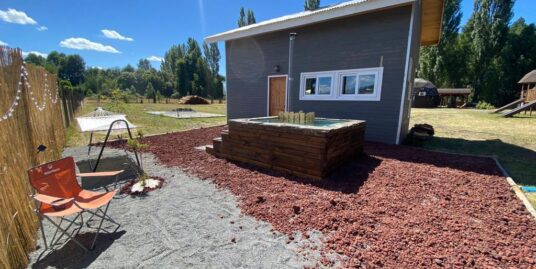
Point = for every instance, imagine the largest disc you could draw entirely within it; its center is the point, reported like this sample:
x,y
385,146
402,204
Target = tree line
x,y
186,69
488,54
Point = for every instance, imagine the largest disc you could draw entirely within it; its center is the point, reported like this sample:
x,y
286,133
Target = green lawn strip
x,y
148,123
481,133
532,198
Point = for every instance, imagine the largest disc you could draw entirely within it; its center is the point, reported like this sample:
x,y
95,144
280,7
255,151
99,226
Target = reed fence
x,y
32,113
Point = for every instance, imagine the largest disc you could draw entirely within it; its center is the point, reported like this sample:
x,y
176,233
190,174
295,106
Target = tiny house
x,y
353,60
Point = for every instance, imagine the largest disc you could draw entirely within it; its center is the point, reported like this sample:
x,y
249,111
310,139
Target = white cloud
x,y
15,16
79,43
155,59
2,43
26,53
41,28
111,34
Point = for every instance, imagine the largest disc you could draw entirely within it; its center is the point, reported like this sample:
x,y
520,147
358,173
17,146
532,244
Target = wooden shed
x,y
453,97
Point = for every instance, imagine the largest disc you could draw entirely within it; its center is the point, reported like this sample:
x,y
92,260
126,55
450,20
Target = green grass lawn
x,y
149,124
532,198
470,131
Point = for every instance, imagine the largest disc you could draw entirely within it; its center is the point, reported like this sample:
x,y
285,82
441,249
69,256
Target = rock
x,y
439,262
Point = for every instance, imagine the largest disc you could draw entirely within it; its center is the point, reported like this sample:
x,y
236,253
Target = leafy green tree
x,y
72,69
65,87
443,64
517,58
489,32
212,56
246,18
54,61
56,58
93,81
128,68
169,65
218,90
150,92
126,80
35,59
311,4
242,19
181,76
251,17
144,65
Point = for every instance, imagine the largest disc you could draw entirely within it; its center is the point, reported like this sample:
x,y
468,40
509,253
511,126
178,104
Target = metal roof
x,y
307,17
454,91
423,83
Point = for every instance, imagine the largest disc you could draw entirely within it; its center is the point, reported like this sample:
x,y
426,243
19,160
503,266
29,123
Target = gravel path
x,y
189,223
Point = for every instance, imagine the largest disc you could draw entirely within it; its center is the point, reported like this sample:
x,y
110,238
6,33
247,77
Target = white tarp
x,y
95,124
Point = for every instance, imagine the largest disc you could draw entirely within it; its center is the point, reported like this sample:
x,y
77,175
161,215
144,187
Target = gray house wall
x,y
348,43
412,66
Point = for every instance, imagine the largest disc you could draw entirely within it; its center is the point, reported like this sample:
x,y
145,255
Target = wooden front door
x,y
277,92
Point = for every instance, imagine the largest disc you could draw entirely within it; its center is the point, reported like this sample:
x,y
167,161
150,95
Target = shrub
x,y
484,105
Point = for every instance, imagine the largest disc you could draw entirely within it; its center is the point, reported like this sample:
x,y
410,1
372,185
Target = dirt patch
x,y
394,207
193,100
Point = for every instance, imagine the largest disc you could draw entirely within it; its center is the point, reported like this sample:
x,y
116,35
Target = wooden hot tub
x,y
311,150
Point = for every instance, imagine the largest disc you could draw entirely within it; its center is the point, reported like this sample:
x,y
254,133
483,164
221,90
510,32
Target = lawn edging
x,y
517,190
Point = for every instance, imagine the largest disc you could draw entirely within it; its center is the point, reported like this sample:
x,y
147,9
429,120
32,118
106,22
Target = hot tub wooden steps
x,y
303,152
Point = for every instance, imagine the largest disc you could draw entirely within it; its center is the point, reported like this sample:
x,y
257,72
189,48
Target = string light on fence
x,y
32,98
54,99
9,113
23,80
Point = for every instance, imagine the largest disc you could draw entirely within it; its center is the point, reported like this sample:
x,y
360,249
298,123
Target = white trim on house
x,y
406,73
336,85
268,92
308,17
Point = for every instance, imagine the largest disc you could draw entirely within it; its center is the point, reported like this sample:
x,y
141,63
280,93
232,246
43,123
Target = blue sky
x,y
120,32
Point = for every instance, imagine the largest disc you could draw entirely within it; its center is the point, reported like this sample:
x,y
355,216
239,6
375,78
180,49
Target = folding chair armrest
x,y
51,200
101,174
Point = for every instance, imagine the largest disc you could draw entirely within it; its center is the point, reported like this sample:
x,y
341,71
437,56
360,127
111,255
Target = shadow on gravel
x,y
71,256
122,162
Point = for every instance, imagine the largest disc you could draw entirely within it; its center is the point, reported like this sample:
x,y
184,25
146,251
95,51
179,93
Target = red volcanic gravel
x,y
396,207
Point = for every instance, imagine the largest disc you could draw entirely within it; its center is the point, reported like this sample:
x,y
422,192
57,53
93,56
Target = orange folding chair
x,y
58,195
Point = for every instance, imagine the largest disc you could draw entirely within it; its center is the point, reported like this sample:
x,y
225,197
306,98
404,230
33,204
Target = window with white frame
x,y
320,84
344,85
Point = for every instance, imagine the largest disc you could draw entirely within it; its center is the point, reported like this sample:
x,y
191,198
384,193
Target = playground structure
x,y
527,100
